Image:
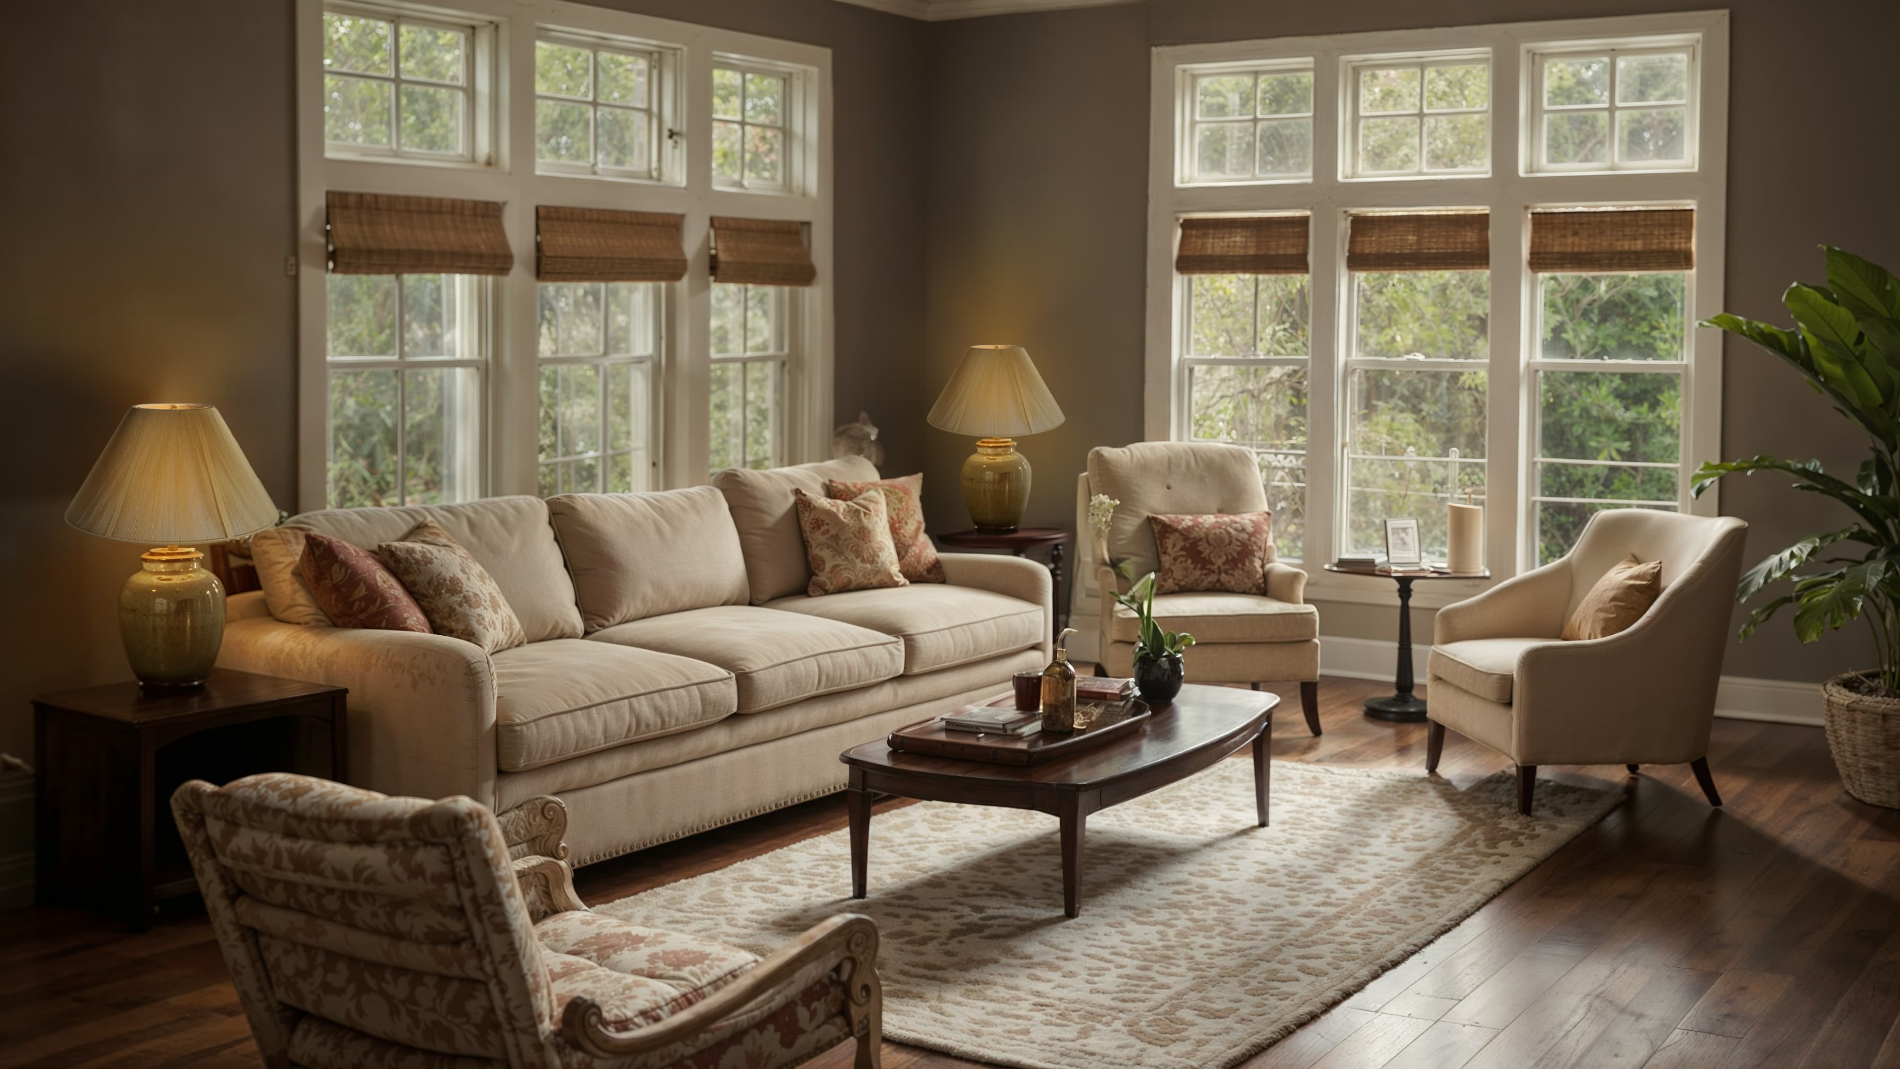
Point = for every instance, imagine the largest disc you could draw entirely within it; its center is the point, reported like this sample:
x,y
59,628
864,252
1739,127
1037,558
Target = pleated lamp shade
x,y
995,393
172,475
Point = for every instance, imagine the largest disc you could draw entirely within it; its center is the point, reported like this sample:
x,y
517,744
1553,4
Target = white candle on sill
x,y
1466,526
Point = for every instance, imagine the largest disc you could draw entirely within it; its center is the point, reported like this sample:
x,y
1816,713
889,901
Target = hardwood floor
x,y
1668,936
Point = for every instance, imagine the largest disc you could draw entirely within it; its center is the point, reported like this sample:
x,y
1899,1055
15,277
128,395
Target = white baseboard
x,y
1368,658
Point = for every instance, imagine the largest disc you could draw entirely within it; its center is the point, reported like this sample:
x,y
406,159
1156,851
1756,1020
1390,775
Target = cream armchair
x,y
1500,675
367,930
1270,636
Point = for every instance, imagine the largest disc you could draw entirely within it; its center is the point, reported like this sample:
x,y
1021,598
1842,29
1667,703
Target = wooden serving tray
x,y
1106,721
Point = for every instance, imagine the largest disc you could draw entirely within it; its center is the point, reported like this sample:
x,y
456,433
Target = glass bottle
x,y
1058,689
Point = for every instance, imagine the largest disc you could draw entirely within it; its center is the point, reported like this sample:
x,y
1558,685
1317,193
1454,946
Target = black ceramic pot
x,y
1160,680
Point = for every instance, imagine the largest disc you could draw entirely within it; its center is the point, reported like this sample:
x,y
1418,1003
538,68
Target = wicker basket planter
x,y
1863,731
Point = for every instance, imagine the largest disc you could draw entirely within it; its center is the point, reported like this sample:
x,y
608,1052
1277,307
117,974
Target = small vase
x,y
1159,679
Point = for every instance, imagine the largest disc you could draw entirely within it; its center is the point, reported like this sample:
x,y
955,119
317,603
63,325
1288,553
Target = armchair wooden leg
x,y
1255,686
1434,744
1700,766
1632,768
1309,704
1526,787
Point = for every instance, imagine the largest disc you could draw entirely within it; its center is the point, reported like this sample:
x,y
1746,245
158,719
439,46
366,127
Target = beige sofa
x,y
676,676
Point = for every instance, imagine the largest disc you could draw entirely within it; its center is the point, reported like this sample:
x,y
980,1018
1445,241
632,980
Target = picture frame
x,y
1402,546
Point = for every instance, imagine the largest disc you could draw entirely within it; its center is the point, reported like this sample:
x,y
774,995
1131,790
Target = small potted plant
x,y
1159,670
1846,343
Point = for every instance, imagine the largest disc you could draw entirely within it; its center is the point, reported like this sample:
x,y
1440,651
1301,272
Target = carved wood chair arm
x,y
535,828
547,886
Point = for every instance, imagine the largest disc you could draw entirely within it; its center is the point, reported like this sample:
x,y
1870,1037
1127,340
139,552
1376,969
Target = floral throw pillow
x,y
1218,552
457,594
904,501
354,589
848,543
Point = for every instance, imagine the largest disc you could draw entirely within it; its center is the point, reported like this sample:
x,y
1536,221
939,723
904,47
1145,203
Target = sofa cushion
x,y
776,658
762,510
1220,617
904,504
638,555
639,976
1173,478
456,593
1486,667
509,536
847,543
939,625
354,589
567,697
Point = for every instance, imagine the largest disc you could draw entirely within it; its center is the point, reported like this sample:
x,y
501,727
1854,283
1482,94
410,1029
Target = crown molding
x,y
945,10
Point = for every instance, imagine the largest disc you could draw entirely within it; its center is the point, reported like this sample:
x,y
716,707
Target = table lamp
x,y
995,394
172,474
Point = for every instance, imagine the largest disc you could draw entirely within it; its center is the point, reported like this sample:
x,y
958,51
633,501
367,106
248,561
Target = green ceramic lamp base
x,y
171,615
996,485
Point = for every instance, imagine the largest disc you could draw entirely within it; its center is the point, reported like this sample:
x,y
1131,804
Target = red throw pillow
x,y
354,589
904,502
1218,552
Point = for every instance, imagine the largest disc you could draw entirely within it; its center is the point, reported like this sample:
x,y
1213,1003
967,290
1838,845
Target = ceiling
x,y
944,10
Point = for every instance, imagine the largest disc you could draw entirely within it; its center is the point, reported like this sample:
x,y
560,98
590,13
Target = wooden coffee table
x,y
1204,725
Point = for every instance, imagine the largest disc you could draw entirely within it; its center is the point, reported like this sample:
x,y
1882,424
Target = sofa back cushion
x,y
1171,478
508,536
764,512
638,555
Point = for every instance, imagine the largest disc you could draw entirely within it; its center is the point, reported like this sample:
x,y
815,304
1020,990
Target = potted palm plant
x,y
1846,344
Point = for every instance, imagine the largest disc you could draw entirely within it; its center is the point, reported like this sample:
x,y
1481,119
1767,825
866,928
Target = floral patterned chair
x,y
369,930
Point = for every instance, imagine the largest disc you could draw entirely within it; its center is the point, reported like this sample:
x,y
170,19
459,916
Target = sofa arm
x,y
1531,605
1286,583
1014,577
246,606
421,707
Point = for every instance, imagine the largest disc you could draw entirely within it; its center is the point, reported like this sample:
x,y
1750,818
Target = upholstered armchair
x,y
369,930
1268,636
1500,675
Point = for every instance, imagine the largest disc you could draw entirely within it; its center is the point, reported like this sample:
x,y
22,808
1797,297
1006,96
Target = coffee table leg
x,y
1073,820
1262,770
858,803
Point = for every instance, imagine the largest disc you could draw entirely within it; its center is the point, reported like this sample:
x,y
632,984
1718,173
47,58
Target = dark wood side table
x,y
1020,542
1403,706
108,759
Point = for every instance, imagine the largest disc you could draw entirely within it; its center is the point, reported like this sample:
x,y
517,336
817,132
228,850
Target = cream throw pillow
x,y
1618,600
457,594
848,543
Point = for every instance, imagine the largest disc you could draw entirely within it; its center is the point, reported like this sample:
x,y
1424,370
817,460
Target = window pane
x,y
561,70
561,132
1417,443
1575,82
727,426
1607,415
727,93
1577,137
1220,315
764,99
360,316
432,54
1559,524
630,318
1286,147
1440,315
1284,310
550,480
1388,146
430,311
619,406
620,474
580,409
432,119
1613,317
623,79
623,139
1652,79
761,413
762,334
357,111
1224,150
728,319
579,322
550,421
1646,135
1286,94
351,43
440,411
1467,86
1224,96
363,406
1388,90
764,155
1457,142
583,476
1263,408
728,152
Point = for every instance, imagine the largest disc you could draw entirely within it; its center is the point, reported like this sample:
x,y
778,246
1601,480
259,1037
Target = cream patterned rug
x,y
1202,938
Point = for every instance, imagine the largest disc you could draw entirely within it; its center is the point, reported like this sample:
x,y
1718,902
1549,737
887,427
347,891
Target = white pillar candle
x,y
1466,555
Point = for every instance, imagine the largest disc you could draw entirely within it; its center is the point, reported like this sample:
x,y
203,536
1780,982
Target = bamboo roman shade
x,y
1619,239
1425,241
379,234
761,252
1243,245
598,245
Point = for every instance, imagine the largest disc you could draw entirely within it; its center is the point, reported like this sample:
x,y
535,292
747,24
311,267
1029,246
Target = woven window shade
x,y
761,252
1243,245
1430,241
1626,239
378,234
597,245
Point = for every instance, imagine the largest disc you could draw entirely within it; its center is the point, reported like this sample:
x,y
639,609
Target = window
x,y
749,357
1252,125
598,345
749,136
397,86
1426,117
405,359
597,109
1615,109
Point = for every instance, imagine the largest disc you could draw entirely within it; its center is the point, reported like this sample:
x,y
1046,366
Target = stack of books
x,y
993,720
1101,689
1362,560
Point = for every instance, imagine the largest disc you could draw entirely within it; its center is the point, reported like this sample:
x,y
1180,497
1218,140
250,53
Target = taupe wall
x,y
148,196
1038,161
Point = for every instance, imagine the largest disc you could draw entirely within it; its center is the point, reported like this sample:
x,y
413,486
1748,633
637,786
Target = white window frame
x,y
1509,193
1354,119
781,355
603,362
794,102
1188,121
1612,49
683,372
478,115
663,108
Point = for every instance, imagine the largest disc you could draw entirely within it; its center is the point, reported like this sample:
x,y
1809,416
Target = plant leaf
x,y
1866,289
1834,342
1760,616
1829,602
1778,565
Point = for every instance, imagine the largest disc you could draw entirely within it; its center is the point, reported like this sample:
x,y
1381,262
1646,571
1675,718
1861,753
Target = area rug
x,y
1202,938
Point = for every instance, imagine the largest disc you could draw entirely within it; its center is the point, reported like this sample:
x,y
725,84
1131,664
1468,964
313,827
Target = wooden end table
x,y
1020,542
1203,726
108,759
1403,706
